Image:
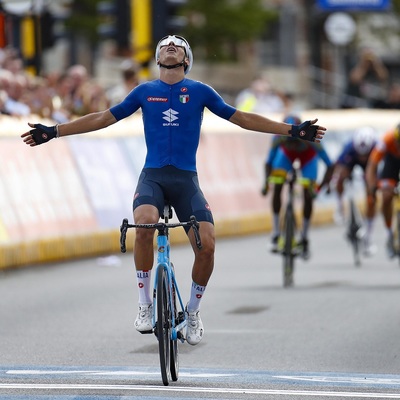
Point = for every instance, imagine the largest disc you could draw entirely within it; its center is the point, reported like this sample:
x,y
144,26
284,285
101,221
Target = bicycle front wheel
x,y
353,234
163,326
288,250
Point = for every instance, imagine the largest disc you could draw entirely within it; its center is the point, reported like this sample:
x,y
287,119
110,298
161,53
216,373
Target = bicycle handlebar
x,y
161,227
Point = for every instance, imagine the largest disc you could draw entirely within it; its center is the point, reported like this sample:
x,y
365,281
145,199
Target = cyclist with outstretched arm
x,y
172,109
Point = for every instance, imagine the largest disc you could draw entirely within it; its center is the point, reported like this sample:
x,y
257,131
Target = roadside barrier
x,y
66,199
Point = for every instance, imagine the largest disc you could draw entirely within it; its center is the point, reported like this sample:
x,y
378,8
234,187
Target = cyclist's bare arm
x,y
87,123
259,123
371,176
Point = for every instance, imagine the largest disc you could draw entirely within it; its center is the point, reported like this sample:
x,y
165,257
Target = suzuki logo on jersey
x,y
184,98
170,116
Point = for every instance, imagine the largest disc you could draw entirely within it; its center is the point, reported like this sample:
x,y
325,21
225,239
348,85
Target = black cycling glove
x,y
42,133
304,131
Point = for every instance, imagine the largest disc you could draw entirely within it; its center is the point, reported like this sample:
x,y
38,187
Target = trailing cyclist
x,y
356,152
387,153
283,153
172,109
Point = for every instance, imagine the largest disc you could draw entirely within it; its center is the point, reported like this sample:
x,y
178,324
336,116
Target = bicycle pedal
x,y
146,332
180,318
180,336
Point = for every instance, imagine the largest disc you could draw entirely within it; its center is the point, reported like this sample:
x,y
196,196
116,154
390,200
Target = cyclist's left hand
x,y
308,131
40,134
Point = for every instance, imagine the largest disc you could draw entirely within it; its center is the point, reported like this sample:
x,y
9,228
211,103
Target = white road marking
x,y
367,380
243,391
38,372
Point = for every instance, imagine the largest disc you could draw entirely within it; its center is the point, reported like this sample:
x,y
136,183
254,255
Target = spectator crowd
x,y
58,95
61,95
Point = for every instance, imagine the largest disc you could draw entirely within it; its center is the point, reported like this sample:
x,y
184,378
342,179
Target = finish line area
x,y
72,383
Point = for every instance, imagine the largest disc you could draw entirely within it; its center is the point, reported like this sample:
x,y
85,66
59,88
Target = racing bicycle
x,y
169,319
287,245
396,213
355,229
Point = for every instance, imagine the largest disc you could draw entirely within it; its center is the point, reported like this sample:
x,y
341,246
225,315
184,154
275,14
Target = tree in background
x,y
217,27
83,20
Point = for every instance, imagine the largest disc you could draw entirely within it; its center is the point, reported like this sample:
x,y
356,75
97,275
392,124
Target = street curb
x,y
96,244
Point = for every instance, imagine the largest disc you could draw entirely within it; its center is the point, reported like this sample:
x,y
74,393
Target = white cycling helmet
x,y
178,41
364,140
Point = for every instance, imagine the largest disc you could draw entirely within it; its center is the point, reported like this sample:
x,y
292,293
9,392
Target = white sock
x,y
196,294
144,282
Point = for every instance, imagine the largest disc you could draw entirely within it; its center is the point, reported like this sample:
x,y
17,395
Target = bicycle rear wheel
x,y
163,326
174,356
288,250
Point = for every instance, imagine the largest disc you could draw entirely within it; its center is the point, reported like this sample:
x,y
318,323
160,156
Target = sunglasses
x,y
176,40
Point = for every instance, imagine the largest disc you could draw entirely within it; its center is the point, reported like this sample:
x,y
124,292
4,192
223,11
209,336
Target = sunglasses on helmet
x,y
176,40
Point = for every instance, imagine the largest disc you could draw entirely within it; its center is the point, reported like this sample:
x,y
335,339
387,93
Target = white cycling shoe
x,y
194,328
143,322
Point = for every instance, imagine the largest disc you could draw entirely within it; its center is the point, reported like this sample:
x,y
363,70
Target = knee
x,y
206,253
144,236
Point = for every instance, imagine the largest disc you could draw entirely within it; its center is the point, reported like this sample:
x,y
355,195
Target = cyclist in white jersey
x,y
172,108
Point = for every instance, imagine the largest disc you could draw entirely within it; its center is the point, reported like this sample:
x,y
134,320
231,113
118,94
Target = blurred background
x,y
338,60
307,48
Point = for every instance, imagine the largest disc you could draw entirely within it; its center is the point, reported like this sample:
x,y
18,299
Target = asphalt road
x,y
66,330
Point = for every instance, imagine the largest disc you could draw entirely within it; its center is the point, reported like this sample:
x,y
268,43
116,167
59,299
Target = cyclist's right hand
x,y
40,134
308,131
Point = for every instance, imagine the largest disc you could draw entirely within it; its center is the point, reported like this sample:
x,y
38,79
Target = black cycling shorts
x,y
391,168
179,188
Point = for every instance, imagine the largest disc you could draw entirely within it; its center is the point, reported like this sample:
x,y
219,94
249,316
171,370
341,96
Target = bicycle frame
x,y
286,243
166,321
163,261
355,225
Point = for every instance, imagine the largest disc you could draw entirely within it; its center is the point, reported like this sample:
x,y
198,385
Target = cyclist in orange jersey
x,y
387,151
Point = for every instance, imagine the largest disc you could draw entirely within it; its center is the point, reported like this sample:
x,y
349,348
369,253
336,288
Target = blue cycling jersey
x,y
172,117
349,157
